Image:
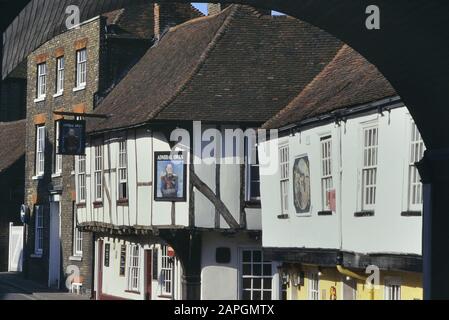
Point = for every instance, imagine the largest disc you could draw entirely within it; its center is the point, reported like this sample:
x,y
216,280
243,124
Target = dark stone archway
x,y
410,49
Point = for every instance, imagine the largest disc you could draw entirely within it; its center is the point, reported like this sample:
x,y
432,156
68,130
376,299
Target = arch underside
x,y
410,49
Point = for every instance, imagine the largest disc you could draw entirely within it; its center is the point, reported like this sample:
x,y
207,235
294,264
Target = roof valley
x,y
211,46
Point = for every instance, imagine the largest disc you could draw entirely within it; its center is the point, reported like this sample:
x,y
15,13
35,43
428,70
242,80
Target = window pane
x,y
257,256
267,283
257,269
267,295
246,256
257,295
247,269
257,284
267,269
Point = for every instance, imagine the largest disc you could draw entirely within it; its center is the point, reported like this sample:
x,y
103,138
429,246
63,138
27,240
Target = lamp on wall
x,y
296,279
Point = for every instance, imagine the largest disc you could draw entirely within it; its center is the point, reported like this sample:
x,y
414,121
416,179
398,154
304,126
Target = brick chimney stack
x,y
167,15
214,8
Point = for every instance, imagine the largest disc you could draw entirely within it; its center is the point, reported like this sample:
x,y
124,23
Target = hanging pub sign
x,y
170,176
301,184
72,137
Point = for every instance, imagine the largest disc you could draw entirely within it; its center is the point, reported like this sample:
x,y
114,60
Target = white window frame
x,y
60,75
167,268
133,275
249,164
41,83
81,178
81,68
414,185
392,289
313,286
254,278
284,166
122,171
327,184
370,155
98,171
40,150
39,230
77,239
57,167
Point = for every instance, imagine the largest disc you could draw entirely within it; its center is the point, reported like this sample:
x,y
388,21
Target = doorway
x,y
54,261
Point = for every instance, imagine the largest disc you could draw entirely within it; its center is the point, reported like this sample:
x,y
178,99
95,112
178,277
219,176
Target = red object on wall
x,y
332,196
171,252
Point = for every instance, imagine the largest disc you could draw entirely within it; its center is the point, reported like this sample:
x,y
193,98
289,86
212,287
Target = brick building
x,y
72,72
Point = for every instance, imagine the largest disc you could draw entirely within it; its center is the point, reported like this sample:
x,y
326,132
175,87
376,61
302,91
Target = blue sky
x,y
203,8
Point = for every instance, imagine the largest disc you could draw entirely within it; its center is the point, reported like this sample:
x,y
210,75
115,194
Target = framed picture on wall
x,y
72,137
301,184
170,176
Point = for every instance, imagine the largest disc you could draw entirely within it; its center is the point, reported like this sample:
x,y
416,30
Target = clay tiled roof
x,y
12,142
231,67
349,80
137,20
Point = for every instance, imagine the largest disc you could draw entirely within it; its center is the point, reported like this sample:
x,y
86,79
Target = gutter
x,y
343,113
350,273
354,275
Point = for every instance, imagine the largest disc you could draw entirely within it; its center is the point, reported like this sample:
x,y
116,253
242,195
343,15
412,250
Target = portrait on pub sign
x,y
170,177
301,184
72,137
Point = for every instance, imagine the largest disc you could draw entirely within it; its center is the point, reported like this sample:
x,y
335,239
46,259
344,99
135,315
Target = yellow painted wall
x,y
411,285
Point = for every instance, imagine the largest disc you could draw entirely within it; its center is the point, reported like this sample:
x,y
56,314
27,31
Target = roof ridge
x,y
119,16
291,104
212,44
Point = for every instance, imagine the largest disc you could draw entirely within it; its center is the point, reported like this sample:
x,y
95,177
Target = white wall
x,y
222,281
142,210
117,286
387,230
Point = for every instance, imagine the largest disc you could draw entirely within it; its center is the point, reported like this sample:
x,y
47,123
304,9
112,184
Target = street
x,y
14,287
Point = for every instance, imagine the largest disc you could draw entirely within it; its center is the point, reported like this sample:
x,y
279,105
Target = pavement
x,y
14,287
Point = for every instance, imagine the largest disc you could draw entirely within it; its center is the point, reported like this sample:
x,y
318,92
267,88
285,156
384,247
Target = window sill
x,y
254,204
76,258
131,291
411,213
98,204
361,214
40,99
325,213
79,88
56,175
36,256
303,215
123,202
37,177
80,205
283,216
165,296
58,94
